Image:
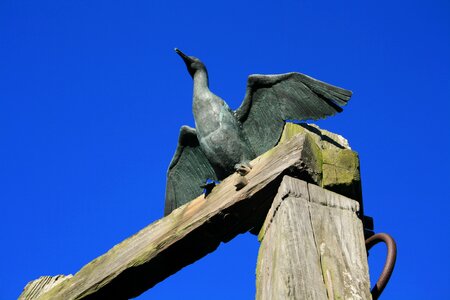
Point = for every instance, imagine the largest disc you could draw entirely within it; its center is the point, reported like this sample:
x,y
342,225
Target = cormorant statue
x,y
224,141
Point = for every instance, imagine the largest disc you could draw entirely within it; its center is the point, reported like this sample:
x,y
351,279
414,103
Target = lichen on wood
x,y
340,164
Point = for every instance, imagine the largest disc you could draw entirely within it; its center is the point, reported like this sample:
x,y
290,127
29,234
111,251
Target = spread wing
x,y
188,170
270,100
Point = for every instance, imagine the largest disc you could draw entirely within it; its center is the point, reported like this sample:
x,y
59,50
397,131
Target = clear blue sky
x,y
92,97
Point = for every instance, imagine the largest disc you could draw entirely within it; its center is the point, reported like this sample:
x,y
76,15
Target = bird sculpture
x,y
224,141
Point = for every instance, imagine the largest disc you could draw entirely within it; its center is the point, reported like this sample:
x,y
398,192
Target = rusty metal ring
x,y
389,263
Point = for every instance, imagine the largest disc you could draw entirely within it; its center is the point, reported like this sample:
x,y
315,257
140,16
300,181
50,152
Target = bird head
x,y
193,64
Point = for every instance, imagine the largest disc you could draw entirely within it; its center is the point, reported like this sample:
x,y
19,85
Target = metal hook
x,y
389,263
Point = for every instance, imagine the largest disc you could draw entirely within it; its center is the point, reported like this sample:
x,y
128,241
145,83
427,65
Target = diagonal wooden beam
x,y
191,231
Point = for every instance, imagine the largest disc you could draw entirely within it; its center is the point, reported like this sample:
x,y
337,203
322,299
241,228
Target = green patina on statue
x,y
224,141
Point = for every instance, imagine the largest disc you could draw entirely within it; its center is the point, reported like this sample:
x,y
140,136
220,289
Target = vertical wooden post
x,y
312,246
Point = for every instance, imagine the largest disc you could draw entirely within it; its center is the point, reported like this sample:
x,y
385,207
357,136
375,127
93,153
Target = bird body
x,y
225,141
219,132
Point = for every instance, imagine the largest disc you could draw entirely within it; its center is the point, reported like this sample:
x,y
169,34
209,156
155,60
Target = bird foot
x,y
243,168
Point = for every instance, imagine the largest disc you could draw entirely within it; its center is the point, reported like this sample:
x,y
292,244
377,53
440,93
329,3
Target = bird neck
x,y
201,80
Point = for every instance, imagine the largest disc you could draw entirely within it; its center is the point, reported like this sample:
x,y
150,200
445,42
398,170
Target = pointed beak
x,y
187,59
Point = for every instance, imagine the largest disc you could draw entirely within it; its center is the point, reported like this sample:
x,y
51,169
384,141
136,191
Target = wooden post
x,y
312,246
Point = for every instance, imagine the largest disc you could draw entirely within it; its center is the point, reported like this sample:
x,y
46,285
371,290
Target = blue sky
x,y
92,97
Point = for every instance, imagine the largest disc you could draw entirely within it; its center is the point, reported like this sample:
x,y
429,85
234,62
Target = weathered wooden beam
x,y
191,231
312,246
